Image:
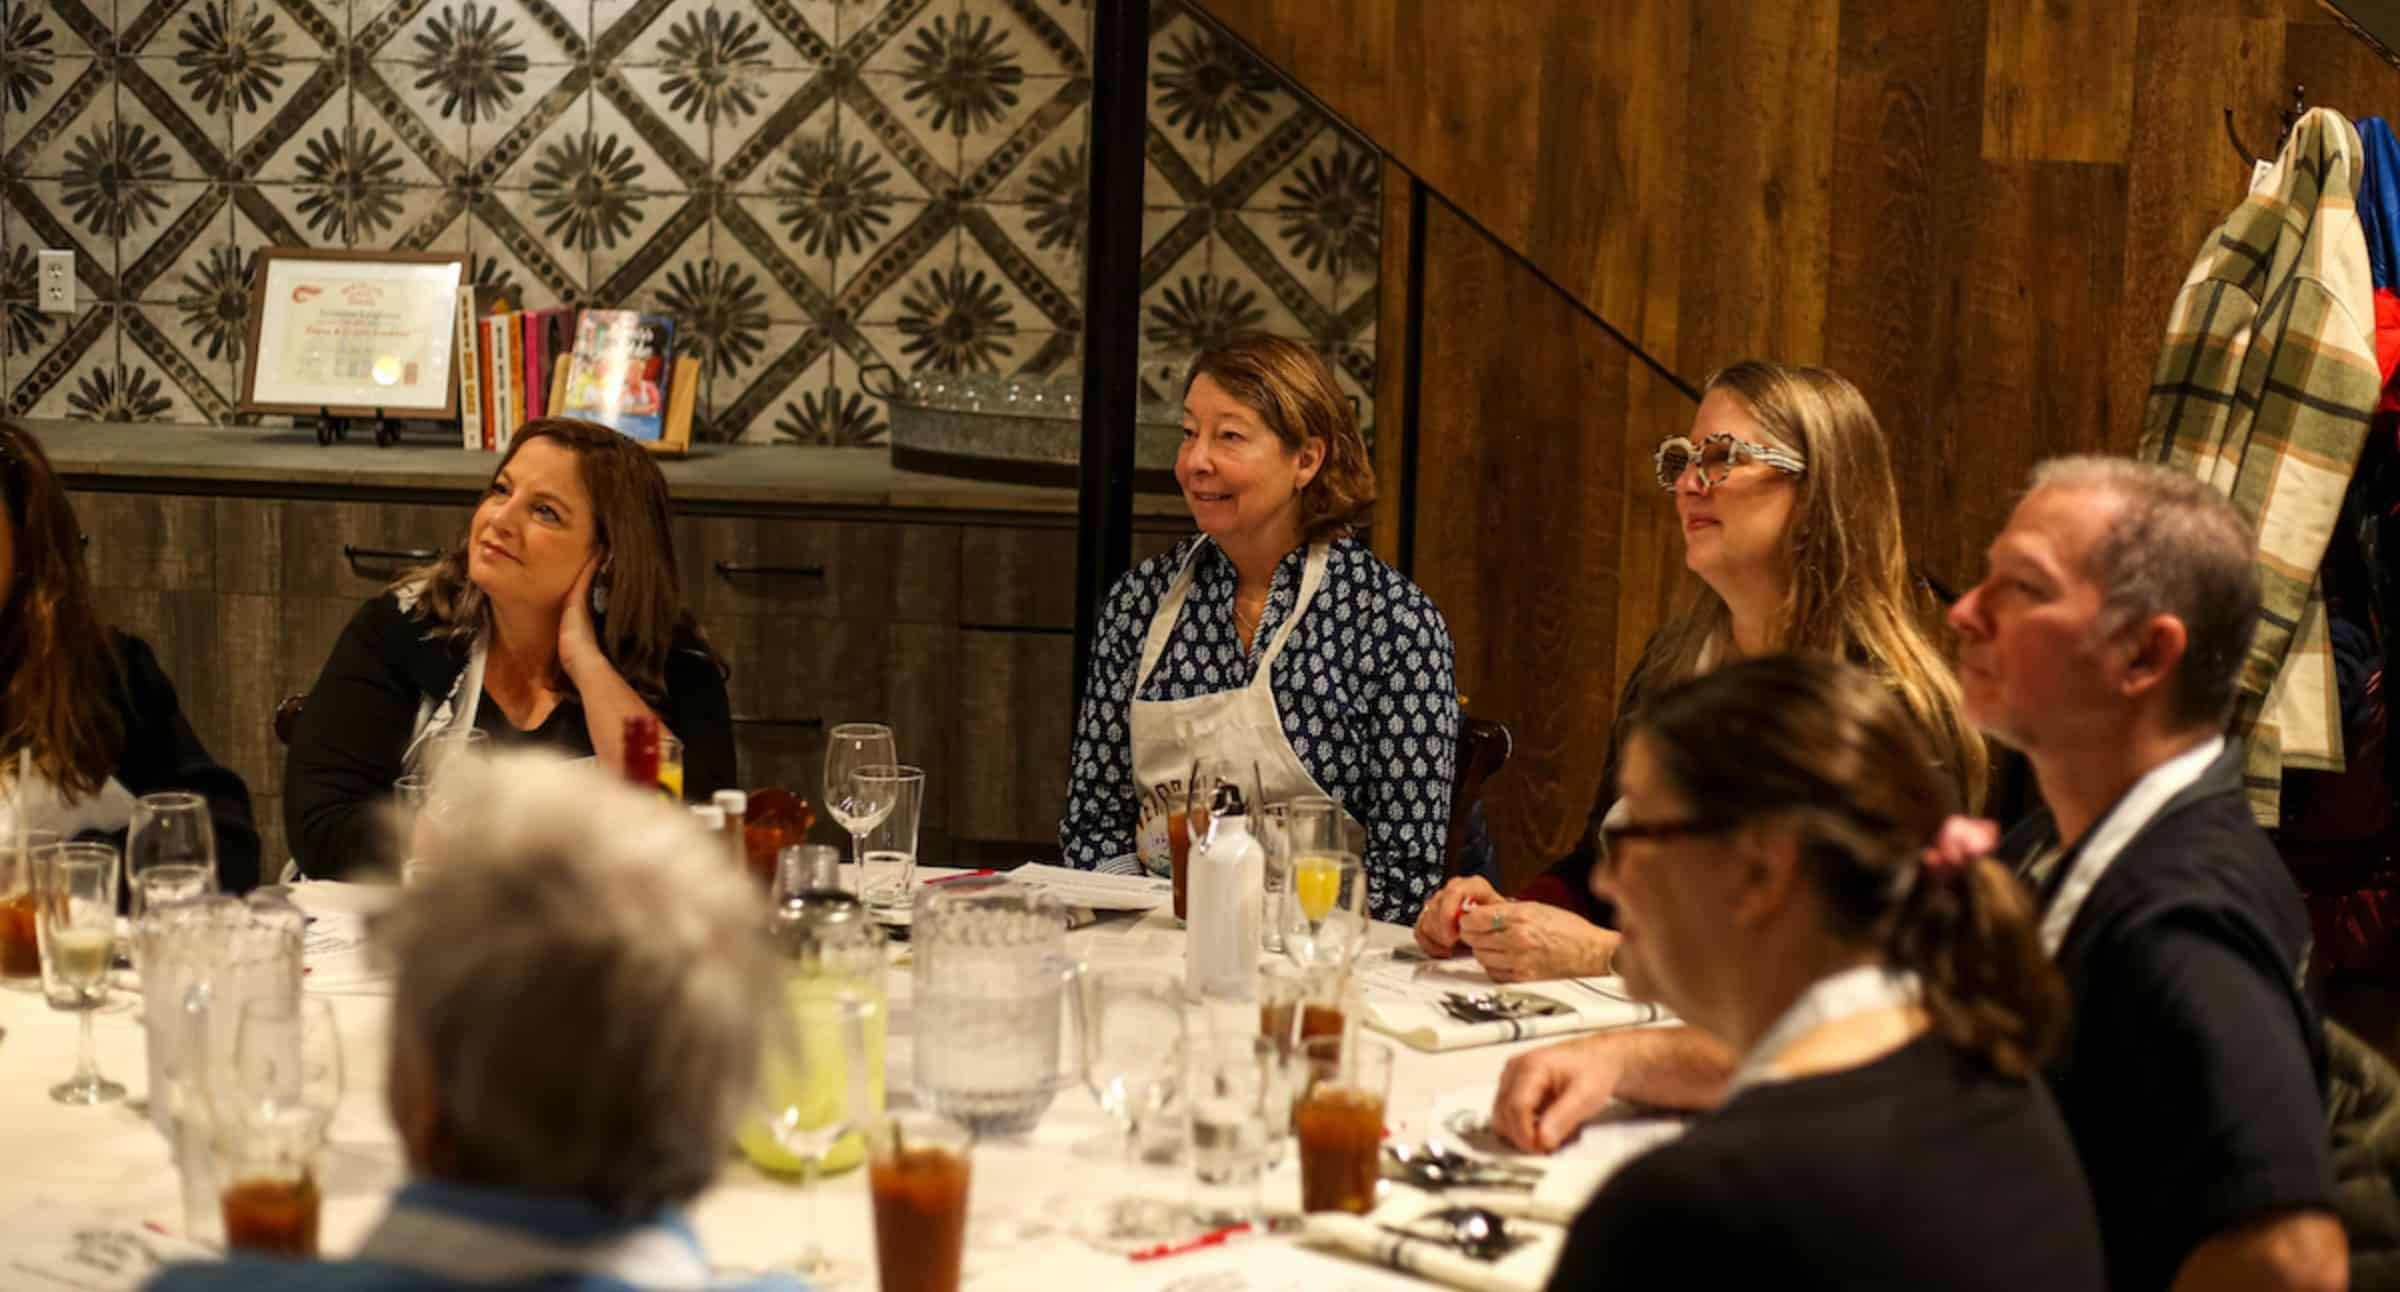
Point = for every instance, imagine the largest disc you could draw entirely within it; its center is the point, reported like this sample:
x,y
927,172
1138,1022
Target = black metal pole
x,y
1112,305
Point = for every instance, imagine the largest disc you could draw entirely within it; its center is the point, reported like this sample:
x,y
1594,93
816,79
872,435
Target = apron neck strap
x,y
1170,608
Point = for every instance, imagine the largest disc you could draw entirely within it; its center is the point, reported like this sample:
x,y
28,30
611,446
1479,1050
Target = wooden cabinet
x,y
957,631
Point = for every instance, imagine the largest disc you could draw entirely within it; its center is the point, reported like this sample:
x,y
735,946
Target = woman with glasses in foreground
x,y
1889,1001
1791,525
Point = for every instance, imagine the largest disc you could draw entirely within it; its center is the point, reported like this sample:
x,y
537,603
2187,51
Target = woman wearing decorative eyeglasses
x,y
1791,525
1888,999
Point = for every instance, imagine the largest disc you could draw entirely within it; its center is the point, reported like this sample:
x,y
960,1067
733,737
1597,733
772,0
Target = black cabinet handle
x,y
762,720
356,554
731,568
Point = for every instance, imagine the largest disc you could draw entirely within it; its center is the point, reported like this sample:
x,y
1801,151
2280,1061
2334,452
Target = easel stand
x,y
331,426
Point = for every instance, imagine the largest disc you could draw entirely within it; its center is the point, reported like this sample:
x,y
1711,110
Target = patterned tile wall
x,y
813,187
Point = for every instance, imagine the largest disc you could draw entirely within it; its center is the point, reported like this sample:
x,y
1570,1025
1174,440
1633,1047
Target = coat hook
x,y
2289,117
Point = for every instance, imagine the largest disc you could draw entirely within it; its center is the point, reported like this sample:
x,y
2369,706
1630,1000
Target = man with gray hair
x,y
582,985
2105,642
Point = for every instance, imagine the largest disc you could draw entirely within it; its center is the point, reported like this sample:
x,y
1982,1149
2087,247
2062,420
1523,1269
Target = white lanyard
x,y
1848,994
2128,818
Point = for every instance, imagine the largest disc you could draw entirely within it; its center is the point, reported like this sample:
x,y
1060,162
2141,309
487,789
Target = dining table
x,y
108,1166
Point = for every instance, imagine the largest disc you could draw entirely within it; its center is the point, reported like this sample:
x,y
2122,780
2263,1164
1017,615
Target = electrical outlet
x,y
57,282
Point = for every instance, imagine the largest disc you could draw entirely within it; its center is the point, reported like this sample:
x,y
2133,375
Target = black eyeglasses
x,y
1614,835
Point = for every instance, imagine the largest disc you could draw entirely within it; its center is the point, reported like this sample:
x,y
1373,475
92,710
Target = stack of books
x,y
614,367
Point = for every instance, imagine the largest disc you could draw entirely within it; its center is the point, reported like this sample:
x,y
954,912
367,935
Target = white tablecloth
x,y
107,1163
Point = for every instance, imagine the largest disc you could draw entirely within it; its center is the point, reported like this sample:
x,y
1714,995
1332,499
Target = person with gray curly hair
x,y
582,994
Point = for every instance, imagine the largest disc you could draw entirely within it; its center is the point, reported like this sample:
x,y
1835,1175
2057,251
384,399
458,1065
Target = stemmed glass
x,y
288,1060
75,899
170,832
1131,1031
859,806
816,1094
1324,910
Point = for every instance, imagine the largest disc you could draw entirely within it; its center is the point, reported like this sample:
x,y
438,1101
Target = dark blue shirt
x,y
1366,688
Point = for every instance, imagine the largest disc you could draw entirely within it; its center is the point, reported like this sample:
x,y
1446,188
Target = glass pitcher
x,y
987,994
830,950
202,960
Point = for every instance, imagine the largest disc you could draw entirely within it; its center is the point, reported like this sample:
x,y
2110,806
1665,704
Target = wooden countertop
x,y
281,462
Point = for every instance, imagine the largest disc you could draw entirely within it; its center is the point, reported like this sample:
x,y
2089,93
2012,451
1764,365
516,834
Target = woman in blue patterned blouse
x,y
1272,637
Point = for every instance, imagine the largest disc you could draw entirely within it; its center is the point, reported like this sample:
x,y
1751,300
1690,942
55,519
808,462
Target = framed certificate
x,y
354,333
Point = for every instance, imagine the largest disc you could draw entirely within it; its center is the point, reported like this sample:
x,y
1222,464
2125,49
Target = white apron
x,y
1240,726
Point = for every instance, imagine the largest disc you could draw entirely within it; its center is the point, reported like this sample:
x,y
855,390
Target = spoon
x,y
1443,1155
1475,1231
1428,1174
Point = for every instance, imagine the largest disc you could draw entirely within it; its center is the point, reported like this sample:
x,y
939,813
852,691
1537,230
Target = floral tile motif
x,y
79,102
551,97
78,355
211,298
1048,293
641,282
198,385
922,235
279,154
836,409
661,226
548,141
755,234
518,219
194,222
960,319
746,398
664,152
831,197
877,105
467,64
989,157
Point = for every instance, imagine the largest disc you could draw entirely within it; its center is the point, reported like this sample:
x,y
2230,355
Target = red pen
x,y
952,879
1210,1239
1458,922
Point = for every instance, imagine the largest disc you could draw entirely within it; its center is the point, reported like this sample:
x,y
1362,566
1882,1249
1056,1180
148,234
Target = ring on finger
x,y
1499,921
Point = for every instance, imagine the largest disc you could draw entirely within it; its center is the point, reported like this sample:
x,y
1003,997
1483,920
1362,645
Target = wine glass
x,y
1324,911
1131,1025
816,1093
170,828
75,901
855,804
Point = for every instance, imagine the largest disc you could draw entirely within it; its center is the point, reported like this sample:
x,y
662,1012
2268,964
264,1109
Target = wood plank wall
x,y
1979,210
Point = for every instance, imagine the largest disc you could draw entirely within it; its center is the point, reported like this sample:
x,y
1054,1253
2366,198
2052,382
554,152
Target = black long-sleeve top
x,y
355,729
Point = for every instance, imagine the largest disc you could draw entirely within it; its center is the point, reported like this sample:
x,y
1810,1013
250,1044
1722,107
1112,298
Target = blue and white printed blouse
x,y
1367,689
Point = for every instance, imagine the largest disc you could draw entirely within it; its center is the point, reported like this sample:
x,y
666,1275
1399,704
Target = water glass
x,y
989,974
1275,844
75,909
170,828
888,852
269,1201
1230,1079
807,868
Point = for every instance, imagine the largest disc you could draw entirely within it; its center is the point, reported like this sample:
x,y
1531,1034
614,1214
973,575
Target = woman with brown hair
x,y
1778,885
556,619
100,718
1272,638
1791,527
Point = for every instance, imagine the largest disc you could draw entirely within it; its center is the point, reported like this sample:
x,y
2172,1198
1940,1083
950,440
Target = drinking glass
x,y
890,845
1339,1122
851,747
809,1116
1131,1026
170,828
670,766
1229,1078
20,944
1324,915
1275,846
449,752
807,868
288,1060
918,1169
75,900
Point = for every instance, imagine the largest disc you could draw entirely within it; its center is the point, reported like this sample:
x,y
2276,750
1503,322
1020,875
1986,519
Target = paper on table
x,y
1096,891
1620,1133
49,1246
1403,994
